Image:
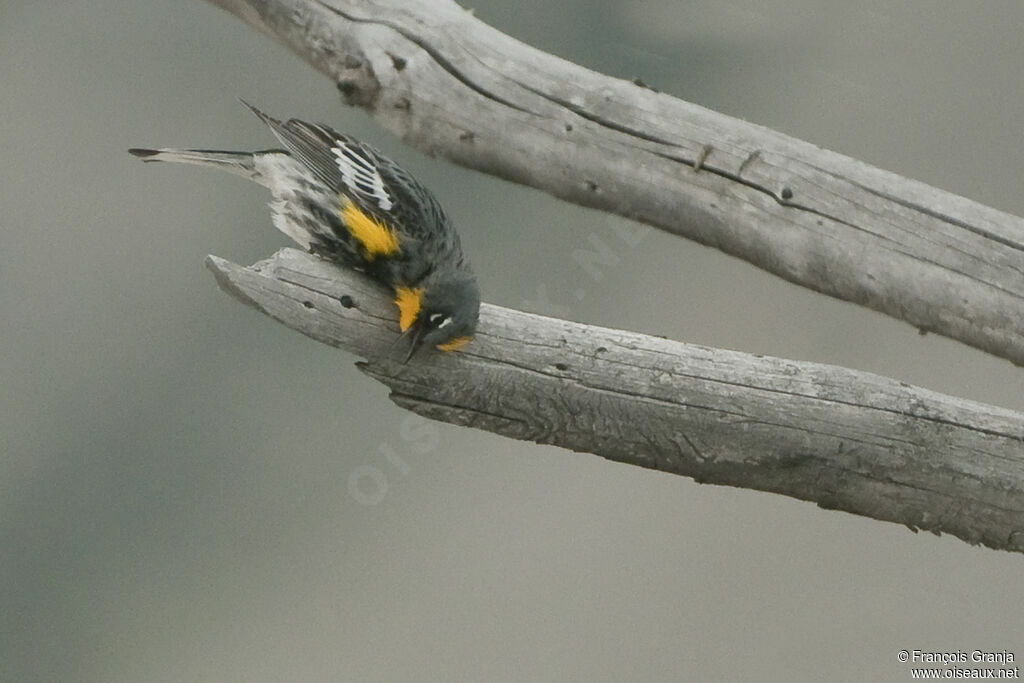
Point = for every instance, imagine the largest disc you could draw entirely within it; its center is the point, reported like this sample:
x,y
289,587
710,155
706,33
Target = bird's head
x,y
441,312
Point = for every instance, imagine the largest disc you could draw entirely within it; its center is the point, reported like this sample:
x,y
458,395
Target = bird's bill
x,y
401,337
417,330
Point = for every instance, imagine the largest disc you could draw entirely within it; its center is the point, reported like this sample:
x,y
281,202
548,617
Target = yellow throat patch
x,y
377,239
408,300
455,344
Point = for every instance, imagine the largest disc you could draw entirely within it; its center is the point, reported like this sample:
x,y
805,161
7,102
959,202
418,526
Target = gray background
x,y
175,468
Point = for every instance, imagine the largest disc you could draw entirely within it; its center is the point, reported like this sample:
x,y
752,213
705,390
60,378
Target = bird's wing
x,y
377,186
342,163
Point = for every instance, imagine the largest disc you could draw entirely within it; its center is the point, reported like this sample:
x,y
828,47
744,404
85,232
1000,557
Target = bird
x,y
343,200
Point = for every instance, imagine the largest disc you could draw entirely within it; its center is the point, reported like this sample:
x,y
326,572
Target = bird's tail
x,y
239,163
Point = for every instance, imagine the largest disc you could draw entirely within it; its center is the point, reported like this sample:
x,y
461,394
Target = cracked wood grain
x,y
452,86
844,439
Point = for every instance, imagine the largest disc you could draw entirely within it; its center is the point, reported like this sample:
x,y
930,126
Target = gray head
x,y
449,308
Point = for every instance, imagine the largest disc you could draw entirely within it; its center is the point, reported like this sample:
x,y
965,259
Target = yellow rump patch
x,y
377,239
408,300
455,344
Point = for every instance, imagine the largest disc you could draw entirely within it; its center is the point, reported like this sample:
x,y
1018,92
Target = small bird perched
x,y
343,200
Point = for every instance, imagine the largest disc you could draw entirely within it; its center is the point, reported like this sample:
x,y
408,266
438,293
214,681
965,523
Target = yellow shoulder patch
x,y
377,239
455,344
408,300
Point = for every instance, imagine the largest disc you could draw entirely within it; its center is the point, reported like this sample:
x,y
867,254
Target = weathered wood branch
x,y
843,439
451,85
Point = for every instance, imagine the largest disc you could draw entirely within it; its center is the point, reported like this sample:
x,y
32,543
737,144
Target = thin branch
x,y
843,439
453,86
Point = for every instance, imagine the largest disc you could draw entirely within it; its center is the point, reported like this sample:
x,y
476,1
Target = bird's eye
x,y
439,320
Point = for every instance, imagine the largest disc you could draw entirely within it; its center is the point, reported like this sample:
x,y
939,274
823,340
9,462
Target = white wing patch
x,y
361,177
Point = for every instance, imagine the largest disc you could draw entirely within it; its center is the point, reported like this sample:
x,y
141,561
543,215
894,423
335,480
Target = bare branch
x,y
451,85
843,439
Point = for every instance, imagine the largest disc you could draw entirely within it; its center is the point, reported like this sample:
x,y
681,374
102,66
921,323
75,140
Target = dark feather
x,y
411,209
